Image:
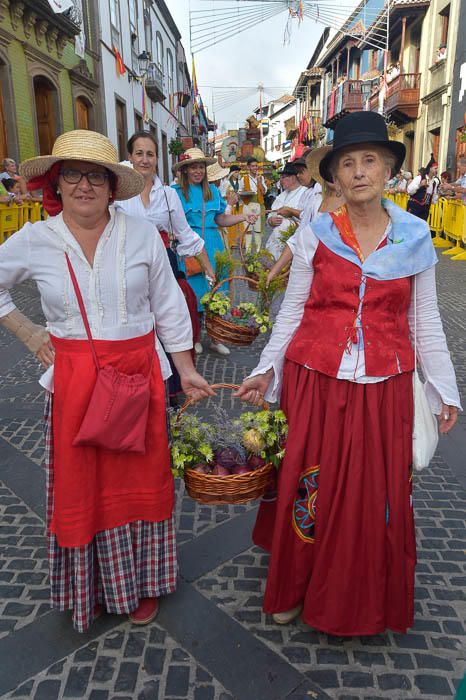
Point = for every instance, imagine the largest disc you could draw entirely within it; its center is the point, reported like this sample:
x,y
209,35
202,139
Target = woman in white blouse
x,y
341,532
160,205
110,515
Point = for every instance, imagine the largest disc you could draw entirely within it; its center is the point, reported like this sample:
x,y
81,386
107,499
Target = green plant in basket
x,y
192,441
224,264
245,314
256,261
225,446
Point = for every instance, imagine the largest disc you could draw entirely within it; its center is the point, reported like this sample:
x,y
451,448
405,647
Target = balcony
x,y
348,97
402,100
154,83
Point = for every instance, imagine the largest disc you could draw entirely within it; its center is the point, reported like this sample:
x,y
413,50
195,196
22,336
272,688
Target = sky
x,y
257,54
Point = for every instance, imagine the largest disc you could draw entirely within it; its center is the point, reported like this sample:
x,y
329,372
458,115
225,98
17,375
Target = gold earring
x,y
338,193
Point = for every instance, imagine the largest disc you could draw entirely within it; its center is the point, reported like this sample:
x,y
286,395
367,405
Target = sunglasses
x,y
73,176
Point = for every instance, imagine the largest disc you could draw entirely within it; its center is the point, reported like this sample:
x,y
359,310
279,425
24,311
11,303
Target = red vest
x,y
330,312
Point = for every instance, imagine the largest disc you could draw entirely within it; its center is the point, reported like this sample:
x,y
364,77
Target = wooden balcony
x,y
347,97
402,100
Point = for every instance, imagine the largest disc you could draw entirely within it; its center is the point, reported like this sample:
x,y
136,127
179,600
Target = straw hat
x,y
216,172
91,147
313,161
193,155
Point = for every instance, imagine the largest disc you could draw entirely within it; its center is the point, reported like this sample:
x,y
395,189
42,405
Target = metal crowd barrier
x,y
14,216
447,220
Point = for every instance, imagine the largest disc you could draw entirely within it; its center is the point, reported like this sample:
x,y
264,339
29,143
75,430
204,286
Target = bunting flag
x,y
120,66
194,89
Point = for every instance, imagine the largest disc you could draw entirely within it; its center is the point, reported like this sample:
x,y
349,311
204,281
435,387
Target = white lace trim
x,y
121,262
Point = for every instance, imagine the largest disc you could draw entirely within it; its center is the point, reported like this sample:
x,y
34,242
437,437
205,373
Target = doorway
x,y
120,113
82,113
44,93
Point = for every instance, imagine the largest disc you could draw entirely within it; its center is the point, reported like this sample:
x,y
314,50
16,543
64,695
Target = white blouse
x,y
165,211
128,290
432,351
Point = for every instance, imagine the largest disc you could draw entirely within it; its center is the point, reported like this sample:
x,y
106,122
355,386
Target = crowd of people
x,y
121,264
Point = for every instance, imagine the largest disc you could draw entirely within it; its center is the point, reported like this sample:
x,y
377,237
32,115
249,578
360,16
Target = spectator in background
x,y
13,191
419,197
288,199
459,186
9,173
232,181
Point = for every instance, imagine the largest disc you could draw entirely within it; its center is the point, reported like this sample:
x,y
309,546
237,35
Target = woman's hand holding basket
x,y
253,389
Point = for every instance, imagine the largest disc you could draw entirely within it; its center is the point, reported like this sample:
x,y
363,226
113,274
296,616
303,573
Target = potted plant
x,y
175,147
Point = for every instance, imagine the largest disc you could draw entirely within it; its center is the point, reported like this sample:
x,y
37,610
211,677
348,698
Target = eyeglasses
x,y
73,177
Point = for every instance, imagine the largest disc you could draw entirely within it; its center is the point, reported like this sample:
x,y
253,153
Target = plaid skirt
x,y
118,568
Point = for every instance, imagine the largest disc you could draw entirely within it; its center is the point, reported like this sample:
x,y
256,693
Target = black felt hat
x,y
289,169
359,128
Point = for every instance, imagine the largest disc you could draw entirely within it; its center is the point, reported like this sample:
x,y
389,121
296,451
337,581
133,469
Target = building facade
x,y
48,74
144,76
412,87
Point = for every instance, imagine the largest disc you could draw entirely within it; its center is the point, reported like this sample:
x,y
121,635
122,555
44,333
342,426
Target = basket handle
x,y
229,279
263,404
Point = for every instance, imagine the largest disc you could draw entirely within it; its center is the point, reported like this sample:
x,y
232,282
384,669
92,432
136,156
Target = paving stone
x,y
368,658
154,660
177,681
453,627
331,656
99,695
127,676
433,685
297,655
204,693
401,661
356,679
104,669
433,662
47,690
76,685
150,691
324,678
135,645
393,681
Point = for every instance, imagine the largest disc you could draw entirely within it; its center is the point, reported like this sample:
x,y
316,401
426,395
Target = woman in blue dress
x,y
205,211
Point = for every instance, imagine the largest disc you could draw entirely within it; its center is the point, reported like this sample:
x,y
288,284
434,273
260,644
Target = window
x,y
444,21
170,68
279,138
122,136
133,28
138,122
159,51
115,23
147,28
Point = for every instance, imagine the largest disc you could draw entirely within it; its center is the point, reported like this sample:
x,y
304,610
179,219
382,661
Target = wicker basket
x,y
223,331
236,488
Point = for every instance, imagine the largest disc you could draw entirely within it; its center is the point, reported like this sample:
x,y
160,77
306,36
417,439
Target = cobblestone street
x,y
211,640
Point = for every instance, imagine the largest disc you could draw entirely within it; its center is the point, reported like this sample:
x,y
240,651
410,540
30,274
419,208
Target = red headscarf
x,y
48,184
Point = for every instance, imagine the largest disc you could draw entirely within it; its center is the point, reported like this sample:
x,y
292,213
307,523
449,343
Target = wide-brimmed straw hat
x,y
191,156
357,129
90,147
313,161
216,172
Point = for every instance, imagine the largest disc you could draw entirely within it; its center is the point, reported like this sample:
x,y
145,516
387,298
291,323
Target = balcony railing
x,y
348,97
154,83
403,95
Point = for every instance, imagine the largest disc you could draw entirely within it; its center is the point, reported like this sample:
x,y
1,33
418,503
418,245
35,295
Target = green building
x,y
45,86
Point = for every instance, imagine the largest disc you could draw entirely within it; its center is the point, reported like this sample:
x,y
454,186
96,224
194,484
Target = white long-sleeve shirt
x,y
169,218
287,198
432,350
129,288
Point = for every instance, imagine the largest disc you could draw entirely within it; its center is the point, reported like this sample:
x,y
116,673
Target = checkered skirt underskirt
x,y
118,568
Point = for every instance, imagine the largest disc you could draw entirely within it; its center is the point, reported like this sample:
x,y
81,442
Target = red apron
x,y
96,489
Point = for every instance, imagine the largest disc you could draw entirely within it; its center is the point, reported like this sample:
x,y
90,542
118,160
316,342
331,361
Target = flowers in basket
x,y
225,446
256,261
244,314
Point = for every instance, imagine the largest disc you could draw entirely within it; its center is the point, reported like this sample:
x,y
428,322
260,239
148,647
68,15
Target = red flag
x,y
120,66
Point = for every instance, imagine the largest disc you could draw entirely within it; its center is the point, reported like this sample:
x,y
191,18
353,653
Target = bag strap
x,y
203,218
82,309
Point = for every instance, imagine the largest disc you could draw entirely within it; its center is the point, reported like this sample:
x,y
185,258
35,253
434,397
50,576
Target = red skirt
x,y
341,531
97,489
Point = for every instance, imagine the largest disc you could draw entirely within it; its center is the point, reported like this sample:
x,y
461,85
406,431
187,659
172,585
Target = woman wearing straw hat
x,y
342,537
315,205
215,174
110,512
205,210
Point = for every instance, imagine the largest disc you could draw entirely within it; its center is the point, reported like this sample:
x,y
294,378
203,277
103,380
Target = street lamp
x,y
144,60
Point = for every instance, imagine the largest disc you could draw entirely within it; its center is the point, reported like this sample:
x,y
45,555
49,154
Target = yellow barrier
x,y
435,222
453,225
14,216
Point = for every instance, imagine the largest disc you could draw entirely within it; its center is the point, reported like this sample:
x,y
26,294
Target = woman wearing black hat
x,y
290,196
341,531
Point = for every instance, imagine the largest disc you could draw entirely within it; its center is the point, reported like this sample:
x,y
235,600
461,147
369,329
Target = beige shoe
x,y
220,348
284,618
198,349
